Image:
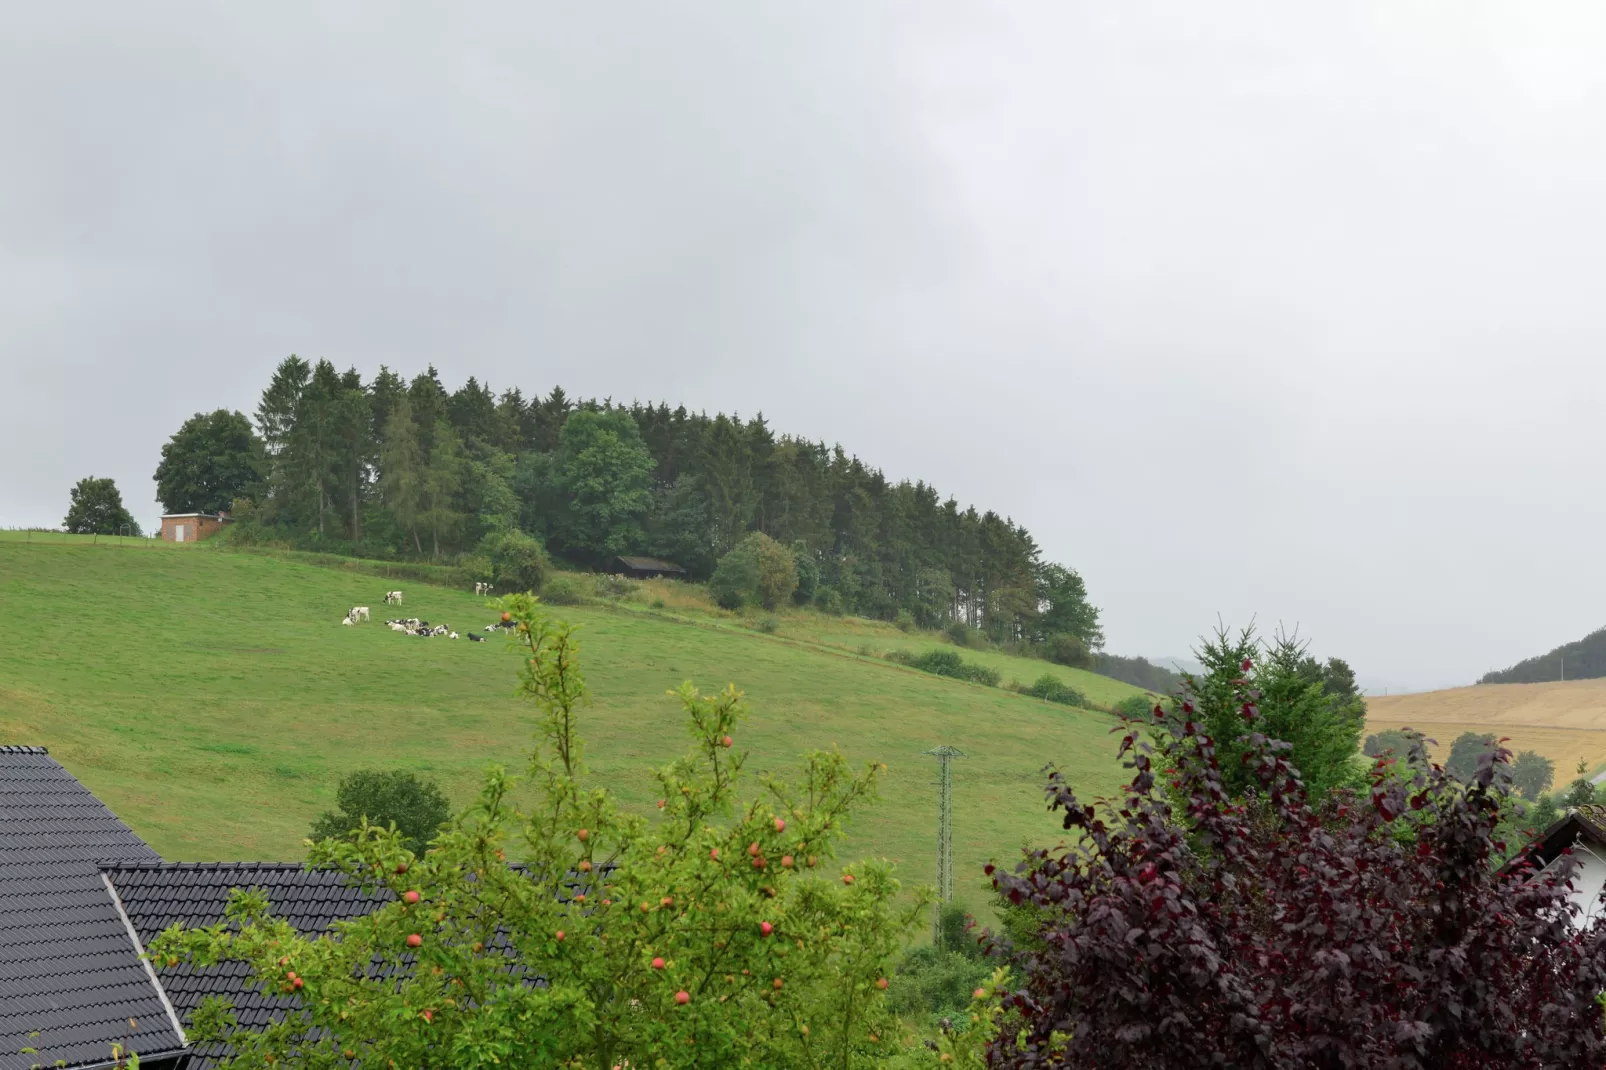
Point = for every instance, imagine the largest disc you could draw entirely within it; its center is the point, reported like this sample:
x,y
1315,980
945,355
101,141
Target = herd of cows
x,y
412,625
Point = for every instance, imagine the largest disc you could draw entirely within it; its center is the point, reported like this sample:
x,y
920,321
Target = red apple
x,y
777,984
980,993
881,983
766,928
714,854
409,897
759,863
847,878
728,741
752,849
414,940
584,835
683,997
658,964
506,617
429,1015
585,866
401,867
296,982
560,936
666,901
780,826
786,861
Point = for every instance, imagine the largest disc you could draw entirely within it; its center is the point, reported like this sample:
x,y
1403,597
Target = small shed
x,y
1581,830
192,527
647,568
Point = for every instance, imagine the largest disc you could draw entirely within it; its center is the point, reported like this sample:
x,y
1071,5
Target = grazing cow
x,y
475,638
482,588
357,613
392,598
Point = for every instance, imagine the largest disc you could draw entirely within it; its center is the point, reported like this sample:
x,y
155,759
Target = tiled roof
x,y
157,895
71,981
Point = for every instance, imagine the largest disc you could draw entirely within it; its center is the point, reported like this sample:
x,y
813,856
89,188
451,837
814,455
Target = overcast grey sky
x,y
1279,309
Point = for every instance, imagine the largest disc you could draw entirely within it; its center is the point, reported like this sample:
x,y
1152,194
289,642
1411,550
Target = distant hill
x,y
1563,721
1180,664
1584,659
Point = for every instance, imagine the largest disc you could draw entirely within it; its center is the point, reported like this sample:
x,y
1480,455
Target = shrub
x,y
561,590
829,600
518,562
1463,760
1067,650
1389,741
617,588
1135,707
1364,930
961,634
414,805
767,625
1532,774
946,663
1051,688
905,621
718,934
759,571
657,603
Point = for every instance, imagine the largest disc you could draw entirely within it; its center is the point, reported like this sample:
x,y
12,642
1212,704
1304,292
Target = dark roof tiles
x,y
71,983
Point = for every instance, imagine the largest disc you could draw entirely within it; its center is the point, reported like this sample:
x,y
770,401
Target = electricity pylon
x,y
945,829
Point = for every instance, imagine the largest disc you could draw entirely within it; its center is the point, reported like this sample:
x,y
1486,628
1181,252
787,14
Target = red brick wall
x,y
196,528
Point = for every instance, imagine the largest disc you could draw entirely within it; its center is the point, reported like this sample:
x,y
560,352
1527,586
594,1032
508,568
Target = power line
x,y
945,829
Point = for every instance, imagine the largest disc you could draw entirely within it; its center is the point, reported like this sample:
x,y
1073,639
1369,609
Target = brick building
x,y
191,527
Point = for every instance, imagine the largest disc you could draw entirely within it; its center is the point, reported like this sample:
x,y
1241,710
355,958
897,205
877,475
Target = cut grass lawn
x,y
213,700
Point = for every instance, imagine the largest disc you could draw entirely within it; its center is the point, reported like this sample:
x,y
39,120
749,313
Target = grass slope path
x,y
213,701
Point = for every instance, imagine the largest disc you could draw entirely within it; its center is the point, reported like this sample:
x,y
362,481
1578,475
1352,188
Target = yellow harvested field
x,y
1562,721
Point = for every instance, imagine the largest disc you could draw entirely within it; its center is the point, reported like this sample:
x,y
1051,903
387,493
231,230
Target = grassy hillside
x,y
1562,721
213,700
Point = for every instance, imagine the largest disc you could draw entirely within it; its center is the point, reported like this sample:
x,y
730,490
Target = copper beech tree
x,y
1276,930
718,933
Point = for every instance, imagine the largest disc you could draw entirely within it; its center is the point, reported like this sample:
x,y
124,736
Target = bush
x,y
905,621
1135,707
749,946
829,600
616,588
961,634
1067,650
414,805
1389,741
1273,931
518,562
946,663
658,603
561,590
759,571
767,625
1051,688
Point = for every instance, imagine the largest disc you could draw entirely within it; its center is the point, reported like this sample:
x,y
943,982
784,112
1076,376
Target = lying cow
x,y
392,598
476,638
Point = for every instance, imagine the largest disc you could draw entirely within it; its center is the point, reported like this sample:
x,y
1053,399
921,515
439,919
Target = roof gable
x,y
71,981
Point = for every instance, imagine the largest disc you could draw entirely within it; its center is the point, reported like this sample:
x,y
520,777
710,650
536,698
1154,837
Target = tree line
x,y
408,468
1582,659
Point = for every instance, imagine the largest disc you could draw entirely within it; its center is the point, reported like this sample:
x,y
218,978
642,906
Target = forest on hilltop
x,y
409,469
1583,659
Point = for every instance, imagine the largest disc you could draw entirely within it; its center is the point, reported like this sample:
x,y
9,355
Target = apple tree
x,y
717,932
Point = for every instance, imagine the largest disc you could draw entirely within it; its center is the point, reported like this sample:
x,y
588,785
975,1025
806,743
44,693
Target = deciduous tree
x,y
210,461
96,508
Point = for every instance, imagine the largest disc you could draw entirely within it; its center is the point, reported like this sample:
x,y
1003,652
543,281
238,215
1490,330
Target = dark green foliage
x,y
562,591
1541,815
1579,793
946,663
808,573
1294,705
210,461
1051,688
1389,741
1584,659
1068,650
604,474
1135,707
393,468
936,982
1465,752
905,621
1139,672
416,806
758,572
962,634
95,507
516,561
1532,774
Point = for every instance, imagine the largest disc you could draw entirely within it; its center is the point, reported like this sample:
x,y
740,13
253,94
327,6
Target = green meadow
x,y
214,700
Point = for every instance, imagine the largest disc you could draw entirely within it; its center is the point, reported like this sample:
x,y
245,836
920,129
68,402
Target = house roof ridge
x,y
20,748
